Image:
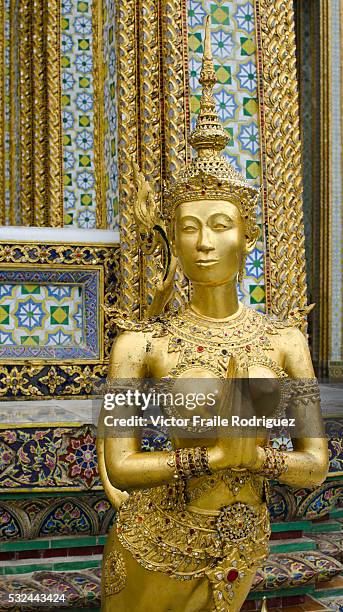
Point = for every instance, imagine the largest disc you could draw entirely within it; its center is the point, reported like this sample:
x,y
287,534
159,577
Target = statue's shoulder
x,y
154,325
295,319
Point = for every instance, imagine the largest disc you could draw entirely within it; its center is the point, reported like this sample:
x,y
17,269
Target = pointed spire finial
x,y
207,46
264,605
209,135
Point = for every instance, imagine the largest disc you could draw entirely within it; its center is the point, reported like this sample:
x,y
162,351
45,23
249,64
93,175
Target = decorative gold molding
x,y
41,185
26,144
151,116
176,102
14,162
151,121
175,105
39,117
98,115
285,273
128,124
54,115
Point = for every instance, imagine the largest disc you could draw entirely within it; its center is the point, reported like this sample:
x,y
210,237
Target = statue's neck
x,y
216,302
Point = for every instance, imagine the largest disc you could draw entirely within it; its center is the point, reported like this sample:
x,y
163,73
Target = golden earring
x,y
241,272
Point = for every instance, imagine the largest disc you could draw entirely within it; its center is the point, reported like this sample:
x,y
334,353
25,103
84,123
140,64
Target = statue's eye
x,y
189,228
221,226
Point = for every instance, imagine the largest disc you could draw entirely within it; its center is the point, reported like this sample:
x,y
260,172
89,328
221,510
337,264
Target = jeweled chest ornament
x,y
210,343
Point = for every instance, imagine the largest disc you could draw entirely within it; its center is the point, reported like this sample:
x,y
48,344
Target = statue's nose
x,y
204,242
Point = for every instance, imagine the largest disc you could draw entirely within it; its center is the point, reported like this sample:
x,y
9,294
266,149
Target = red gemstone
x,y
248,348
191,531
232,575
200,349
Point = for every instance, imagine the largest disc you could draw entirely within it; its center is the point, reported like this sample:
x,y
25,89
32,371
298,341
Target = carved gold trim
x,y
26,113
128,125
54,114
285,273
39,116
98,115
14,166
151,121
176,103
151,116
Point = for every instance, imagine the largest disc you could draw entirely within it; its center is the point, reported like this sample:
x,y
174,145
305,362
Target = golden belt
x,y
189,543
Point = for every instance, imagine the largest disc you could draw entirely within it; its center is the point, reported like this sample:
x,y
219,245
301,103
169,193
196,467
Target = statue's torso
x,y
184,345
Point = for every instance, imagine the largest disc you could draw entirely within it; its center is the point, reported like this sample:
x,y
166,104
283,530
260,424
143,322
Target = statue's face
x,y
209,241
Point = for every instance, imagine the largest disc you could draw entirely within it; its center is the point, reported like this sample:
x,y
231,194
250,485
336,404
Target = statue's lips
x,y
205,263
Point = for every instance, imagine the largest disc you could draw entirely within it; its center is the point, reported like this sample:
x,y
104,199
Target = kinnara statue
x,y
194,527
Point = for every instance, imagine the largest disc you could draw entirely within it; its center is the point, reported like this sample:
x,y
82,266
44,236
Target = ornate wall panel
x,y
254,51
321,109
30,114
150,78
54,337
40,457
51,315
280,157
91,514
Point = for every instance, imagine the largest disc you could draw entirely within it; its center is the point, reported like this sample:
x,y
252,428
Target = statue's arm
x,y
127,467
308,463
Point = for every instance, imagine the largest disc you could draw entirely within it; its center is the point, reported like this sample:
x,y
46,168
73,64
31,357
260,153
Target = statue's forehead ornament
x,y
209,175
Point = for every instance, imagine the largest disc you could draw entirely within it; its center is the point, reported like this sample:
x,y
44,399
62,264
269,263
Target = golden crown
x,y
210,175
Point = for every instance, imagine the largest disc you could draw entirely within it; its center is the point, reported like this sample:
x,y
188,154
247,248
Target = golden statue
x,y
195,526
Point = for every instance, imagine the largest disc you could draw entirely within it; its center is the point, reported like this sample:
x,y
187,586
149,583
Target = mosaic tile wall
x,y
336,178
77,114
233,46
45,456
110,102
49,314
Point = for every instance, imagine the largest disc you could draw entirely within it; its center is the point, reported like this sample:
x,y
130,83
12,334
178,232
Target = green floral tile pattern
x,y
77,114
234,53
110,105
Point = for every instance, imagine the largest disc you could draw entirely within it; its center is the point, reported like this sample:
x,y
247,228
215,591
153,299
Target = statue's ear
x,y
171,238
172,246
251,239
